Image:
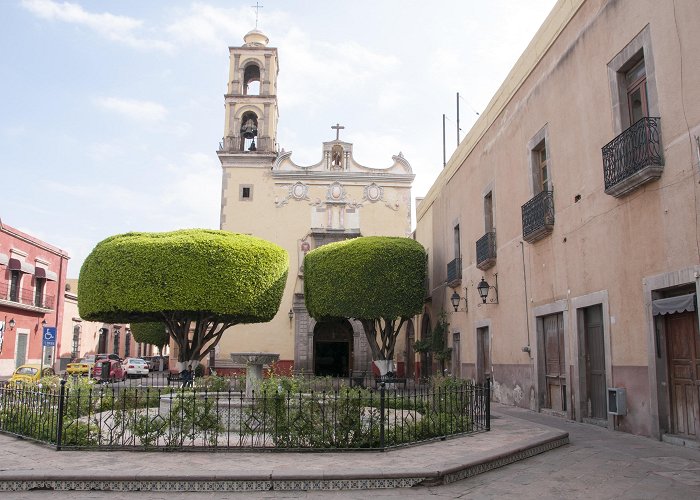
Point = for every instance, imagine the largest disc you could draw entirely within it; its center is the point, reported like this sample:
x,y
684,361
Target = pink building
x,y
32,280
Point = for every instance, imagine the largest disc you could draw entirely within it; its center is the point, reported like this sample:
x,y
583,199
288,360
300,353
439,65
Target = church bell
x,y
249,129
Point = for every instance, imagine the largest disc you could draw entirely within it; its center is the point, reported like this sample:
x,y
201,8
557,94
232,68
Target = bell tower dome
x,y
251,97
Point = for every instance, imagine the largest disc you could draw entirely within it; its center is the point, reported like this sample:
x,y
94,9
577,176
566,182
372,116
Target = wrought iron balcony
x,y
538,216
454,272
25,297
486,251
633,158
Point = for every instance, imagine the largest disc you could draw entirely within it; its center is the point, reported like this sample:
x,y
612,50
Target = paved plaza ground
x,y
596,464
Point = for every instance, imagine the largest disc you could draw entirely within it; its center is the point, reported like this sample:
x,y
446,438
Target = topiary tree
x,y
198,282
377,280
151,332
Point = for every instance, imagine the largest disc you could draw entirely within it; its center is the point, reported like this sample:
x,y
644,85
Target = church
x,y
300,207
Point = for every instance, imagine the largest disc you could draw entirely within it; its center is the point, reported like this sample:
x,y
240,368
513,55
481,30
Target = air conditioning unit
x,y
617,401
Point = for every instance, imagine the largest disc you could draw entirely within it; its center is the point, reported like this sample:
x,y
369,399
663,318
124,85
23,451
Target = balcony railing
x,y
538,216
633,158
25,296
454,271
486,251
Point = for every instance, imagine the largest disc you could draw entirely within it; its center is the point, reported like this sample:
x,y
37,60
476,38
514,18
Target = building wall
x,y
602,248
27,314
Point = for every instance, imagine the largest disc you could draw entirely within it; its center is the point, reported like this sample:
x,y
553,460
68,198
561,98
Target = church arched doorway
x,y
333,348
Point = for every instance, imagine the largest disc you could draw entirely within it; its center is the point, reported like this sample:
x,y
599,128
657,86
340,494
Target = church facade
x,y
299,207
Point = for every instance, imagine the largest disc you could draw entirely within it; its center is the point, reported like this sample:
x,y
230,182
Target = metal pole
x,y
457,118
444,158
487,403
61,406
382,413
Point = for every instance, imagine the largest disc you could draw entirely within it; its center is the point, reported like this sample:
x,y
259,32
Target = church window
x,y
251,80
245,192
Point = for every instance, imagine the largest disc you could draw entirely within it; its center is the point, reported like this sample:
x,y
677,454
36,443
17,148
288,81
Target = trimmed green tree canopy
x,y
378,280
214,279
152,332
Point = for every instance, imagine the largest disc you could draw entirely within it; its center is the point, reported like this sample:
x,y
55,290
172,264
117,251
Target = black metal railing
x,y
632,152
454,270
486,251
538,216
25,296
79,416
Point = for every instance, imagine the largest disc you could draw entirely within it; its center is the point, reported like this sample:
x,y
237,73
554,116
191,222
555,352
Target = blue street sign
x,y
49,339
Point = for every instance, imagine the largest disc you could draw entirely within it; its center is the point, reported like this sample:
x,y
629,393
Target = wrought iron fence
x,y
634,149
454,270
26,296
538,216
83,416
486,250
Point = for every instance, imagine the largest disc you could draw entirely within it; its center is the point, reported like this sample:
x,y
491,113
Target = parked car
x,y
136,367
81,367
116,371
28,373
100,357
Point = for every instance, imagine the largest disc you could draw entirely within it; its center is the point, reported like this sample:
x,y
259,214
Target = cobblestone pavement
x,y
598,464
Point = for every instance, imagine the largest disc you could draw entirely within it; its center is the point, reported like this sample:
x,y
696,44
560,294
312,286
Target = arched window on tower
x,y
249,131
251,80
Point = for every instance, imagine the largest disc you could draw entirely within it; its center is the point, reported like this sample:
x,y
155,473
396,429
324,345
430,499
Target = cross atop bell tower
x,y
251,97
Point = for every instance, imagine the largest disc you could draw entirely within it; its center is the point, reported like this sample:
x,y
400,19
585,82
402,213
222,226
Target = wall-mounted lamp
x,y
483,288
290,314
12,324
43,323
455,299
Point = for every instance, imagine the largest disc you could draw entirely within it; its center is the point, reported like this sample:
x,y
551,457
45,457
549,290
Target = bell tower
x,y
249,146
251,98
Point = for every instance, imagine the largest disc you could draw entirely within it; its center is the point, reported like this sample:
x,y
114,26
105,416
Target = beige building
x,y
575,198
299,207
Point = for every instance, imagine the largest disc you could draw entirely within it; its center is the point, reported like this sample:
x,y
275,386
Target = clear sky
x,y
112,111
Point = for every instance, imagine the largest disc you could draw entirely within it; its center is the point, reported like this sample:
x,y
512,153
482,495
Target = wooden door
x,y
554,362
683,347
596,380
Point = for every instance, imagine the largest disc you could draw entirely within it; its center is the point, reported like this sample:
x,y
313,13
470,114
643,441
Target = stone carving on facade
x,y
373,193
298,191
336,193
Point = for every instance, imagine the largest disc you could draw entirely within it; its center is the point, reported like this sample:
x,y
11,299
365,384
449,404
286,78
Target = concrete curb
x,y
295,478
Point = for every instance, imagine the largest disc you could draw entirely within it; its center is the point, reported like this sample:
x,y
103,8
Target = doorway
x,y
333,341
683,358
483,355
21,355
552,362
592,356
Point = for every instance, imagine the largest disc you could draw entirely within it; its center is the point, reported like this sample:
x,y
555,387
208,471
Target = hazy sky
x,y
112,111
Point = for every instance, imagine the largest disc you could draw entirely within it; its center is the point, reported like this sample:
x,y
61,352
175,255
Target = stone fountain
x,y
254,362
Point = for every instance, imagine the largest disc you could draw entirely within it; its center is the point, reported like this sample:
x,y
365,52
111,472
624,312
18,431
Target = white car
x,y
135,367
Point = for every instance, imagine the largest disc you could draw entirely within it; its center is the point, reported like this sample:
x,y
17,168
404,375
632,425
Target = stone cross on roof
x,y
337,127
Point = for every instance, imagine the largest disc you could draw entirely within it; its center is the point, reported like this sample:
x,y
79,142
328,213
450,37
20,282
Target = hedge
x,y
138,276
371,277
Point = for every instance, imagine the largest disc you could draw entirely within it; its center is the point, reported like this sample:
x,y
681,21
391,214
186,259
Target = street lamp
x,y
455,300
483,288
12,324
43,323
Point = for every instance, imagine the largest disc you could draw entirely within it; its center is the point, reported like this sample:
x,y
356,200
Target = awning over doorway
x,y
17,265
672,305
42,273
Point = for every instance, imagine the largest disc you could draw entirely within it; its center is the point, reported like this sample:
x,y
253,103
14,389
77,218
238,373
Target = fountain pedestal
x,y
254,362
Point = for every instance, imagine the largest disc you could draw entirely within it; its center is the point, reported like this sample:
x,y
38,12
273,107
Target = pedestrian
x,y
186,376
